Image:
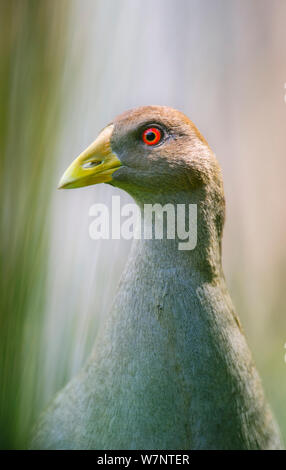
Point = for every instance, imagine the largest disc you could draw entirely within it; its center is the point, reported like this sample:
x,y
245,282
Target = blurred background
x,y
67,68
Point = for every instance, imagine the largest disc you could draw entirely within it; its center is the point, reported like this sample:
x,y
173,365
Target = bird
x,y
170,367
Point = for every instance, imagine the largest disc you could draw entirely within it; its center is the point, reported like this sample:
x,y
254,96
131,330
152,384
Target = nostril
x,y
88,165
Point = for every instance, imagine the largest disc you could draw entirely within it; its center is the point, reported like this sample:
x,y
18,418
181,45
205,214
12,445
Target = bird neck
x,y
200,252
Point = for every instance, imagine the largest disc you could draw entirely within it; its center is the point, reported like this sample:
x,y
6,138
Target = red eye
x,y
151,136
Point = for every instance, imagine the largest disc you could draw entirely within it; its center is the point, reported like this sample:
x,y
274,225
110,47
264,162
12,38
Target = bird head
x,y
157,155
151,149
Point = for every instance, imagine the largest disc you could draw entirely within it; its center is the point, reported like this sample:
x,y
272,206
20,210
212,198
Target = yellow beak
x,y
95,165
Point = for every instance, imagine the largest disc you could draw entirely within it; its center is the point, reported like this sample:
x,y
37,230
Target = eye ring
x,y
151,136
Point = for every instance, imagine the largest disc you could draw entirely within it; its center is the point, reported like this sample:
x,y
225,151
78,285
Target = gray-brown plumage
x,y
171,368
